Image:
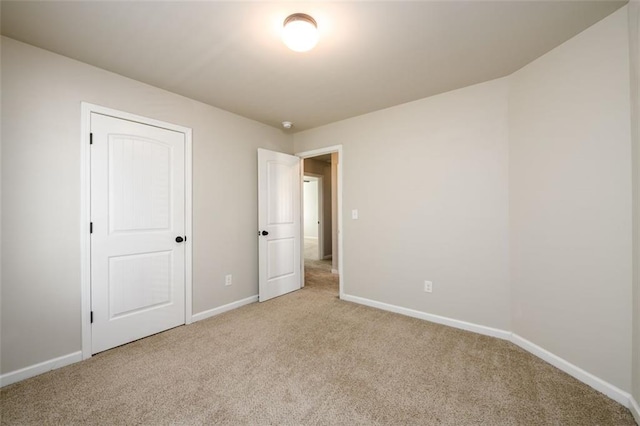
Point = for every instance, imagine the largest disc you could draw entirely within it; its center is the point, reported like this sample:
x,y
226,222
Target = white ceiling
x,y
371,55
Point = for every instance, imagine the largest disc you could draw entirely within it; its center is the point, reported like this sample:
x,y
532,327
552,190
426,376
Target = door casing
x,y
320,202
85,211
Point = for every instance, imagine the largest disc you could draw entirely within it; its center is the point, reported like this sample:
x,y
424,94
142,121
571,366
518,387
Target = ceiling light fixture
x,y
287,124
300,32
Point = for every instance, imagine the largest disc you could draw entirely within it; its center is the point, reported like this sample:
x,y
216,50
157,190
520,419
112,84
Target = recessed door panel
x,y
280,258
138,282
280,193
139,183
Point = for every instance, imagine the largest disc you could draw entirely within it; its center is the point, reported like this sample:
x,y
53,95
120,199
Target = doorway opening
x,y
322,189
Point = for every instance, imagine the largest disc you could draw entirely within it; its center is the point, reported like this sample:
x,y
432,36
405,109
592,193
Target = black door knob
x,y
179,239
265,233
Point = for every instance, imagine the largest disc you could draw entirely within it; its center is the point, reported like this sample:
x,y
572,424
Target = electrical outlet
x,y
428,286
228,279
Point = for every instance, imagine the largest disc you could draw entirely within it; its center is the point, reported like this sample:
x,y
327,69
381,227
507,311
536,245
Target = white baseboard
x,y
52,364
224,308
597,383
585,377
634,407
480,329
43,367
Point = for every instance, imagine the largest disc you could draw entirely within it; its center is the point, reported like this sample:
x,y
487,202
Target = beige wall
x,y
438,211
527,176
324,169
634,50
41,95
570,201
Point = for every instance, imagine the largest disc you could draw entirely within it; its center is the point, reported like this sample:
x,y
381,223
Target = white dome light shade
x,y
300,32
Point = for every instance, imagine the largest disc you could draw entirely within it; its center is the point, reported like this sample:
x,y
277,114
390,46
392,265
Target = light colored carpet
x,y
311,248
310,358
319,266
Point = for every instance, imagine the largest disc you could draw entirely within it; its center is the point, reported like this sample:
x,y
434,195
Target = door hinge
x,y
90,138
91,317
91,227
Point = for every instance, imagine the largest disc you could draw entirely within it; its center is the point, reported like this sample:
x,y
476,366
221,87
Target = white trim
x,y
85,236
302,242
320,239
72,358
85,211
597,383
88,108
224,308
578,373
40,368
635,409
329,150
188,226
463,325
319,151
320,193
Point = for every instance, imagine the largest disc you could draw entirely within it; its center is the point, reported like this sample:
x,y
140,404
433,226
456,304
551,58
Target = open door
x,y
279,227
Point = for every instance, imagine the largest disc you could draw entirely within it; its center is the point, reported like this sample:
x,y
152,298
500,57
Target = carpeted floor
x,y
311,248
309,358
316,269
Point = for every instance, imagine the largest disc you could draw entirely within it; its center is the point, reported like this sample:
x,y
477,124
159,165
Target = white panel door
x,y
137,213
279,223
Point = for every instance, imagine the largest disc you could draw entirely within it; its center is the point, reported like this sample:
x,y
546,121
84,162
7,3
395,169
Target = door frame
x,y
320,201
315,153
86,109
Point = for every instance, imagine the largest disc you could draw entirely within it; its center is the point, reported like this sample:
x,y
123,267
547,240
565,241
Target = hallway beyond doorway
x,y
318,275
